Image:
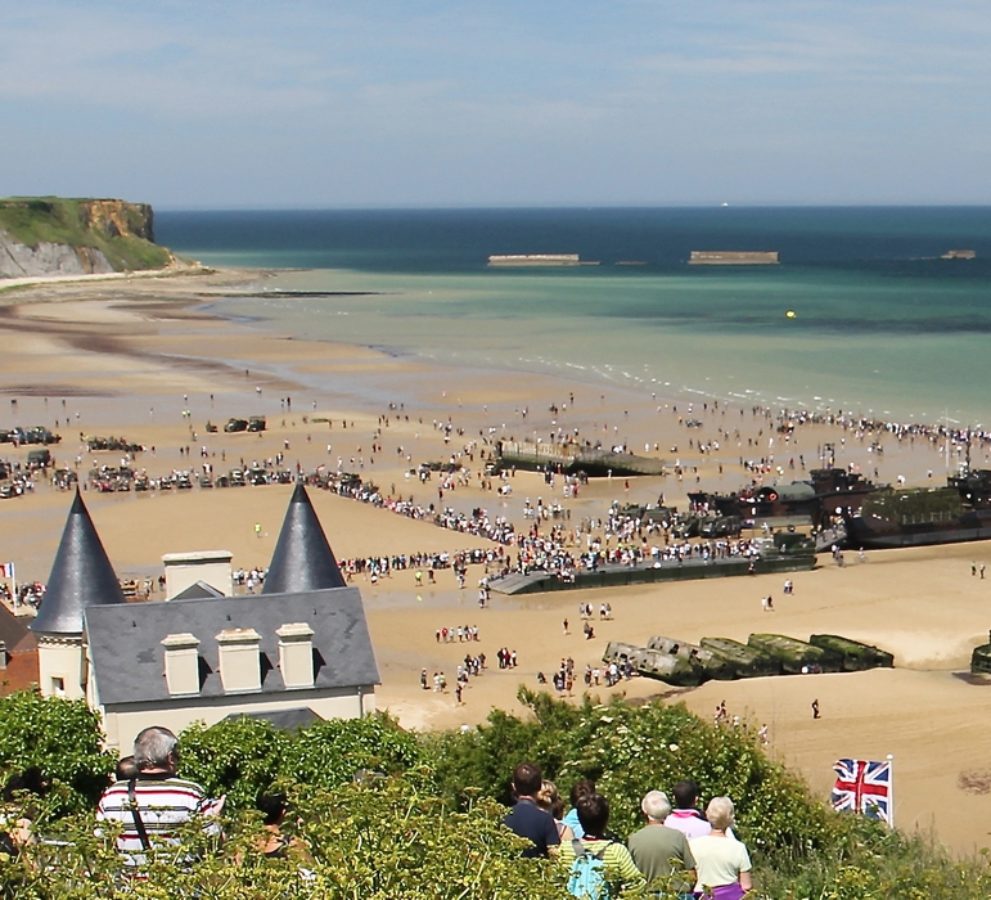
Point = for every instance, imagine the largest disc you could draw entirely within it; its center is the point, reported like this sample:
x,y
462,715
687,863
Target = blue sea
x,y
862,314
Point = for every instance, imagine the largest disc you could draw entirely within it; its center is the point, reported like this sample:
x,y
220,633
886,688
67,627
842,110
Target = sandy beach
x,y
136,358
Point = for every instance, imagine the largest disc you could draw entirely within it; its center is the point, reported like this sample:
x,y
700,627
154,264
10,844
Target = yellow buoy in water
x,y
790,314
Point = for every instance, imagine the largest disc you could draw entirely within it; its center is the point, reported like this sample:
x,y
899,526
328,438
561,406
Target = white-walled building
x,y
298,650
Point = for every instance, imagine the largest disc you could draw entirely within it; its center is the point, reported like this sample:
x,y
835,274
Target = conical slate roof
x,y
81,576
303,560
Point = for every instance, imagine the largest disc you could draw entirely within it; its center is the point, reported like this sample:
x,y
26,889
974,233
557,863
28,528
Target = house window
x,y
58,686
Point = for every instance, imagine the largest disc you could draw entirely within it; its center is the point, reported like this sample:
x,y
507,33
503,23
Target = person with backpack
x,y
598,867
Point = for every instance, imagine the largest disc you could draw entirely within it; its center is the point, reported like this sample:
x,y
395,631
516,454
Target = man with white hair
x,y
151,806
659,851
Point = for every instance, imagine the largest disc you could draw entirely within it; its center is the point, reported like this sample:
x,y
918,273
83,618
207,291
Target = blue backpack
x,y
588,873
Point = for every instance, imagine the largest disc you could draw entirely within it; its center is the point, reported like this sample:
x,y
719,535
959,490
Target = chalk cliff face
x,y
83,233
19,260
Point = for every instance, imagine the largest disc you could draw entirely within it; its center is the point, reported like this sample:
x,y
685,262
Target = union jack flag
x,y
864,786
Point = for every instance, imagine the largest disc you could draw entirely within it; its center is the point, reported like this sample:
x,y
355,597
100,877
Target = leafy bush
x,y
428,825
63,739
241,758
379,840
331,753
246,757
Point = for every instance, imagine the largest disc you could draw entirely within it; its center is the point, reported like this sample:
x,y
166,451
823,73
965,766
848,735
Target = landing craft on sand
x,y
815,500
592,460
959,512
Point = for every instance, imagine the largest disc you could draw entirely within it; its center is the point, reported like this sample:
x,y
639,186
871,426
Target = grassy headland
x,y
120,230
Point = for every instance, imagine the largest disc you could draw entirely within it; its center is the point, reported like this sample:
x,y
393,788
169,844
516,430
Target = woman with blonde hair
x,y
721,861
549,800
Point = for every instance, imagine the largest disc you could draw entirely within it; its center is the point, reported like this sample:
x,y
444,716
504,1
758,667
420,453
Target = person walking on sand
x,y
815,708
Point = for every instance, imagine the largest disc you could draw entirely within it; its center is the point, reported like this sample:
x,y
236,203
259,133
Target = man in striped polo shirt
x,y
151,807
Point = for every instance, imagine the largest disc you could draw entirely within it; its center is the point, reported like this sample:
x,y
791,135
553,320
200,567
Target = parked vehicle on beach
x,y
39,459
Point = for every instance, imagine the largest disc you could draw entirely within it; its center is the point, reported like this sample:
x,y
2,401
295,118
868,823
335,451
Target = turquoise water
x,y
880,325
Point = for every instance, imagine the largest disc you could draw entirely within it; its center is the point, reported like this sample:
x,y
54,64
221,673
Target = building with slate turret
x,y
299,650
81,576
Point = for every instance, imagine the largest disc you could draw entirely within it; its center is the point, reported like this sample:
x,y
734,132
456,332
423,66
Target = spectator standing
x,y
617,866
685,817
722,862
578,790
526,818
151,806
549,800
659,851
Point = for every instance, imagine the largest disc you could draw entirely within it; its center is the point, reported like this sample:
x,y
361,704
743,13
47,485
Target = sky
x,y
412,103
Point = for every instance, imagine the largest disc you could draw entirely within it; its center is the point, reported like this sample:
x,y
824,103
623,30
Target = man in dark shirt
x,y
527,819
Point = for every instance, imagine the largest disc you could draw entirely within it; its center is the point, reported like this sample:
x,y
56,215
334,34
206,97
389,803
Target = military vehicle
x,y
39,459
41,435
980,659
720,526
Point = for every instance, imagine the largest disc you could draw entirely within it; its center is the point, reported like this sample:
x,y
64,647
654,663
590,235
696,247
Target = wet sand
x,y
118,357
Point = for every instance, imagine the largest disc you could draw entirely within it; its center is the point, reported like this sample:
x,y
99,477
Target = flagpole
x,y
891,790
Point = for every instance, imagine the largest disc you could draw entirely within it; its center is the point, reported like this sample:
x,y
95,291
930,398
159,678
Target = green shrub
x,y
62,738
428,823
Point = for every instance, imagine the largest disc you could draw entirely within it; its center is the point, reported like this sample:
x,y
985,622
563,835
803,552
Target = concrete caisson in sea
x,y
734,258
509,260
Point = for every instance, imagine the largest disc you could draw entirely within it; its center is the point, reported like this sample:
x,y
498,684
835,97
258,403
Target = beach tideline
x,y
129,357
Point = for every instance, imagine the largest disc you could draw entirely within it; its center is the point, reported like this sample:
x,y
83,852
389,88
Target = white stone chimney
x,y
183,570
240,664
182,663
296,654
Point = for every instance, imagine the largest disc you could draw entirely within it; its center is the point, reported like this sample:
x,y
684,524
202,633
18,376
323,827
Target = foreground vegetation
x,y
378,812
56,220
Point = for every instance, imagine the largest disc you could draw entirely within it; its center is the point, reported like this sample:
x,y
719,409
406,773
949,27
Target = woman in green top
x,y
617,869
